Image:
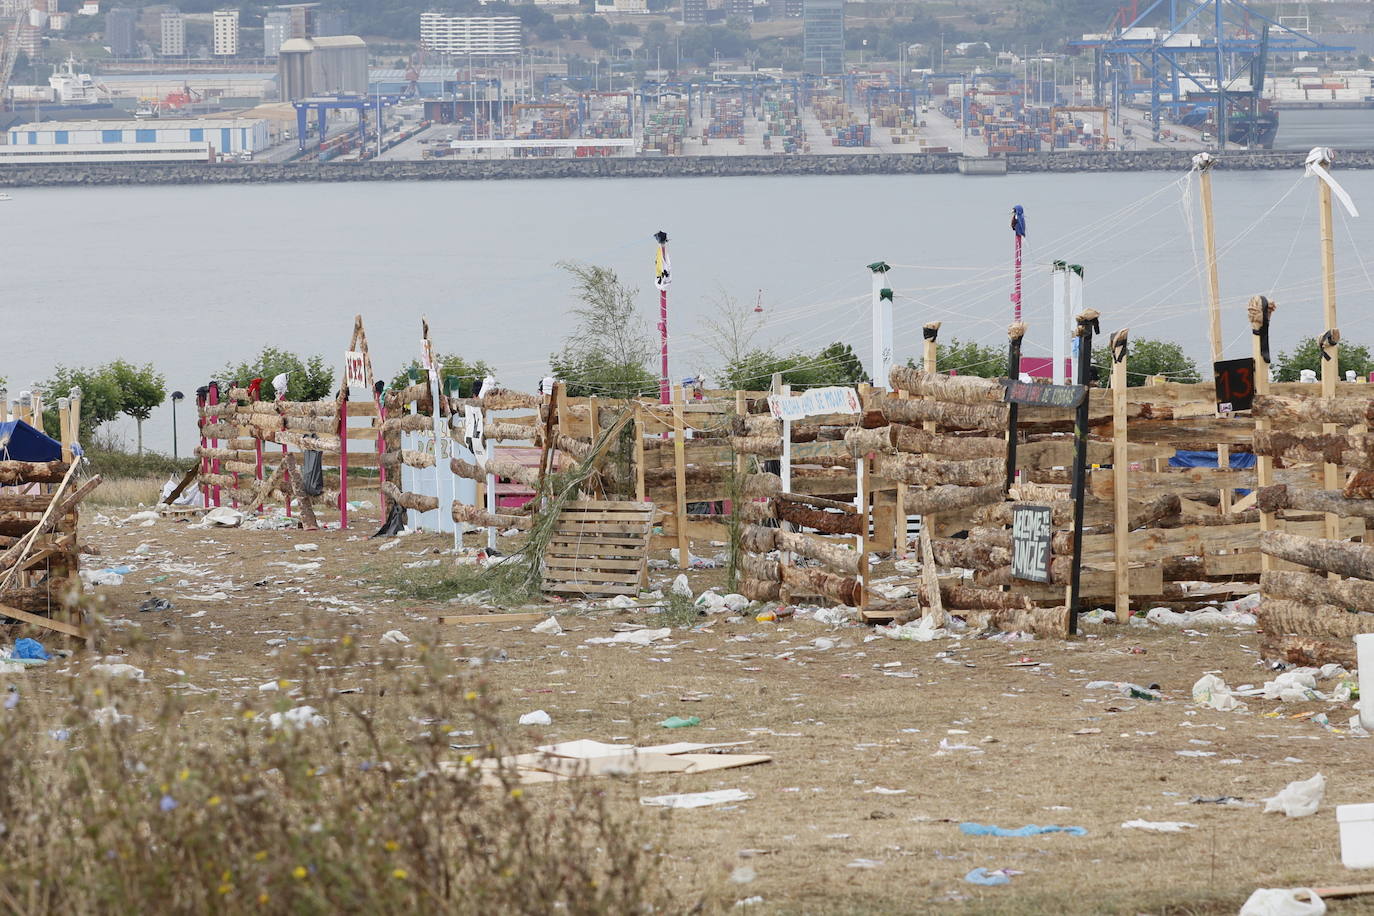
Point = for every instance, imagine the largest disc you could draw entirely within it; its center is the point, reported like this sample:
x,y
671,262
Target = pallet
x,y
599,548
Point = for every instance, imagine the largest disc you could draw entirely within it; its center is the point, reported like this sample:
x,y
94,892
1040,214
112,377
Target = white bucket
x,y
1357,835
1364,658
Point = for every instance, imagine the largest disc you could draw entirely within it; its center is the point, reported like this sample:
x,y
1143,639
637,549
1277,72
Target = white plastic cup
x,y
1357,835
1364,658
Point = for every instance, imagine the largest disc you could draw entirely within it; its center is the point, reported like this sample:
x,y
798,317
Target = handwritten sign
x,y
1235,380
1030,543
473,435
813,403
427,354
355,369
1039,395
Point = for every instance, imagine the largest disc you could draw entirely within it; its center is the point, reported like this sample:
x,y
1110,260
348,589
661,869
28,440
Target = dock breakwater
x,y
1170,160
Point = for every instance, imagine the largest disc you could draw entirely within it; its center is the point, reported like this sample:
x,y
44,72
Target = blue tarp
x,y
21,442
1239,461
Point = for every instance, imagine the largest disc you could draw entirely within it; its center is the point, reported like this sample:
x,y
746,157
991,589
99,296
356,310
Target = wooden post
x,y
1015,334
1087,325
1209,238
930,333
343,458
640,492
214,442
899,511
684,556
1120,470
1330,341
488,488
64,427
1260,310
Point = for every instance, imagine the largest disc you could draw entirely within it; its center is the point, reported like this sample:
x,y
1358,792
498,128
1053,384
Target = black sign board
x,y
1041,395
1235,384
1031,530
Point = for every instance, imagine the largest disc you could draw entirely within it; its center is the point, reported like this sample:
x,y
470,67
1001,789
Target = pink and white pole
x,y
662,278
1018,228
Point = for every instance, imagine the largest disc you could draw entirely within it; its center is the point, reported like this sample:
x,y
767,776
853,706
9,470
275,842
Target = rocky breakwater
x,y
1169,160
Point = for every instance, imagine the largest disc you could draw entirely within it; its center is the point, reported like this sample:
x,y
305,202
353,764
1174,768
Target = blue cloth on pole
x,y
973,829
29,648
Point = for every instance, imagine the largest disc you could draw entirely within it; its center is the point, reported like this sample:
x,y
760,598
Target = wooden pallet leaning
x,y
599,548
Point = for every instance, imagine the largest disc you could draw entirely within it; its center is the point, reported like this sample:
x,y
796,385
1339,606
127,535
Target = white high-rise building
x,y
226,33
486,36
173,34
276,29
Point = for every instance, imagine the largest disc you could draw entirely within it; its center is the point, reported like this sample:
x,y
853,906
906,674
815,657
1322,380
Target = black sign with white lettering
x,y
1030,543
1235,384
1042,395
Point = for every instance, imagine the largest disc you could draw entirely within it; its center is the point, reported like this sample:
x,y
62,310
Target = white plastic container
x,y
1357,835
1364,658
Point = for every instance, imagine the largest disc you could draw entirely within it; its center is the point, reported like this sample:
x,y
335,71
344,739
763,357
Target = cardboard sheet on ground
x,y
584,758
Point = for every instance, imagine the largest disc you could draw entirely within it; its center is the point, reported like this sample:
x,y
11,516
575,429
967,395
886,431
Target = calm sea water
x,y
190,278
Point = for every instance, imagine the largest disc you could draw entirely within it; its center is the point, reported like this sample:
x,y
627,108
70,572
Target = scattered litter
x,y
394,637
1208,616
880,790
865,863
1299,901
743,874
118,669
29,648
679,722
696,799
221,517
1212,692
923,630
307,548
550,627
680,586
538,717
1159,826
156,604
146,519
1298,799
104,576
632,638
972,829
995,878
301,717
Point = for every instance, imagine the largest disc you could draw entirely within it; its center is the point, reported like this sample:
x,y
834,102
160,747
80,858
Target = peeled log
x,y
940,500
763,446
1333,448
756,485
1061,568
1279,616
1061,511
1302,409
760,568
1340,557
952,389
757,511
1308,651
410,423
970,554
1061,542
473,515
1044,622
918,441
922,471
501,467
509,431
415,501
863,441
805,581
757,590
758,539
839,559
1281,496
818,519
992,417
957,598
1306,587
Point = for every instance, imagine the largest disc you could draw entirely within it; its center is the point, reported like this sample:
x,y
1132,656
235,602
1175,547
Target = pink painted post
x,y
204,462
1018,228
214,443
343,460
662,277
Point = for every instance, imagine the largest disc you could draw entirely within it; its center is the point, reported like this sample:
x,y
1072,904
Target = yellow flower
x,y
260,856
391,845
469,759
516,793
225,888
299,872
213,801
184,775
99,691
226,876
283,683
400,874
262,898
470,695
250,714
347,641
165,788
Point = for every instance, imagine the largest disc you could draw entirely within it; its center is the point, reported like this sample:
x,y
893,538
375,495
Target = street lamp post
x,y
176,396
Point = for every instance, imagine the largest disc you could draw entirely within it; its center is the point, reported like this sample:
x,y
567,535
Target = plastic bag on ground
x,y
696,799
222,517
1297,901
1295,686
296,719
1298,799
395,637
29,648
923,630
680,586
1212,692
549,627
538,717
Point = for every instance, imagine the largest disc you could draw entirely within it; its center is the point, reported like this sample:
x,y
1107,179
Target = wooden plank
x,y
1159,543
592,590
60,626
586,576
602,564
622,517
1120,464
628,537
586,504
640,456
497,618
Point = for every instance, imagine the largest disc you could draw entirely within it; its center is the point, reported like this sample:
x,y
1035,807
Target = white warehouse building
x,y
225,135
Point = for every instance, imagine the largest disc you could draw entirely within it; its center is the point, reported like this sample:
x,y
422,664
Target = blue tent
x,y
21,442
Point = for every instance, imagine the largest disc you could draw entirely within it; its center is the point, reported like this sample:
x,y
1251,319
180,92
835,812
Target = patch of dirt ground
x,y
860,809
